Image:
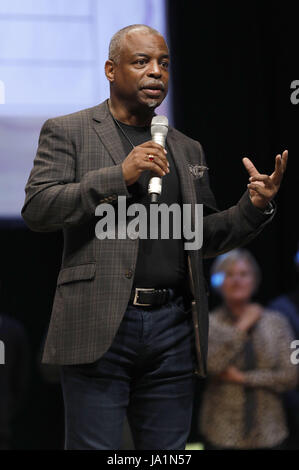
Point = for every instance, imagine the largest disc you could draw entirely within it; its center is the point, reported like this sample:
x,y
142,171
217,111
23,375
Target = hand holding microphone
x,y
148,156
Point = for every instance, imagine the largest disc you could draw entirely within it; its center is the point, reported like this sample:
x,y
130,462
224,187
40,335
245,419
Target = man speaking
x,y
122,327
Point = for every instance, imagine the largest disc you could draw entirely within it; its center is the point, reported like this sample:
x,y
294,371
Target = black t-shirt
x,y
160,263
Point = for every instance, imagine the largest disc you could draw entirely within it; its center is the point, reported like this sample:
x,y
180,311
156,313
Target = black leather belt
x,y
146,297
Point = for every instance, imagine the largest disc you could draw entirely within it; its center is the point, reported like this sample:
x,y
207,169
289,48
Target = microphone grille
x,y
159,121
159,127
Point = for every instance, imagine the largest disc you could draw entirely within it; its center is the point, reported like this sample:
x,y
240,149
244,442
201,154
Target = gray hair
x,y
116,40
223,262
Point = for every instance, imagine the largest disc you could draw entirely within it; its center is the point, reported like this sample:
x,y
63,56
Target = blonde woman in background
x,y
248,363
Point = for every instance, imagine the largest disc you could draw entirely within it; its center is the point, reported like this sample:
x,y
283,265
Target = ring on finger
x,y
150,157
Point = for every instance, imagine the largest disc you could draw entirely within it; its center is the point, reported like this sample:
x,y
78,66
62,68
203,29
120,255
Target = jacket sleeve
x,y
53,199
233,227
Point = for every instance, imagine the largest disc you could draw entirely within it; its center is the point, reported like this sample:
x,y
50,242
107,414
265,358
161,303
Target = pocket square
x,y
197,171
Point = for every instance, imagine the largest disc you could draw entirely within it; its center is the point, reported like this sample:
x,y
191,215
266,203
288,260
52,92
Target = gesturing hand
x,y
147,156
263,188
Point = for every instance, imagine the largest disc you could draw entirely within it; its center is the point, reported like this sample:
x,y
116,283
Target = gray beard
x,y
153,104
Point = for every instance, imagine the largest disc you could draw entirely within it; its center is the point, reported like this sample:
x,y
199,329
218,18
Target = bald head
x,y
117,39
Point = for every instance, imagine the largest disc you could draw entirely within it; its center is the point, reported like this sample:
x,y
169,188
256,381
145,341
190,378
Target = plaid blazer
x,y
78,167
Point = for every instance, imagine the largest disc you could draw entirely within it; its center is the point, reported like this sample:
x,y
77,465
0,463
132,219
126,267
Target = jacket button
x,y
129,273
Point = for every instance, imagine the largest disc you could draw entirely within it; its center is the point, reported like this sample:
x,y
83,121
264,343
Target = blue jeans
x,y
147,373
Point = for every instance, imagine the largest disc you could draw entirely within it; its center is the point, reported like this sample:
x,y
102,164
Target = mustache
x,y
154,85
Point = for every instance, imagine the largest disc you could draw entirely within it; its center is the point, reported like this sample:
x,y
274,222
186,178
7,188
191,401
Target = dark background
x,y
231,71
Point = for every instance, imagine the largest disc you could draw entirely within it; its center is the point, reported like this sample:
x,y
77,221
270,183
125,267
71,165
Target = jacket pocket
x,y
76,273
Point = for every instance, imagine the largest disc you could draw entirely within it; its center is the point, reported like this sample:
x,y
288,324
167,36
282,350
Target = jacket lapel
x,y
186,181
104,126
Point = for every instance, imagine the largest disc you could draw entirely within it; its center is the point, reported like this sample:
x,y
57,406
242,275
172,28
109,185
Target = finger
x,y
151,143
152,166
260,184
158,161
277,173
157,164
157,157
280,166
258,187
284,157
157,152
262,178
249,166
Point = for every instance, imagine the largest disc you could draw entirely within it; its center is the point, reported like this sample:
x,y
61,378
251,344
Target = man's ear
x,y
109,70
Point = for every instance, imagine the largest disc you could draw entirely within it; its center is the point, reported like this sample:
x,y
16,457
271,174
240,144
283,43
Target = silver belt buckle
x,y
140,289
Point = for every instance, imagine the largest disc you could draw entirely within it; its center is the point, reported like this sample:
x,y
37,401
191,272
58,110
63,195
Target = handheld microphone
x,y
159,129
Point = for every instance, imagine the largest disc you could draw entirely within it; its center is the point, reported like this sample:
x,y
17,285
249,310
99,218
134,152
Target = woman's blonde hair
x,y
222,263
